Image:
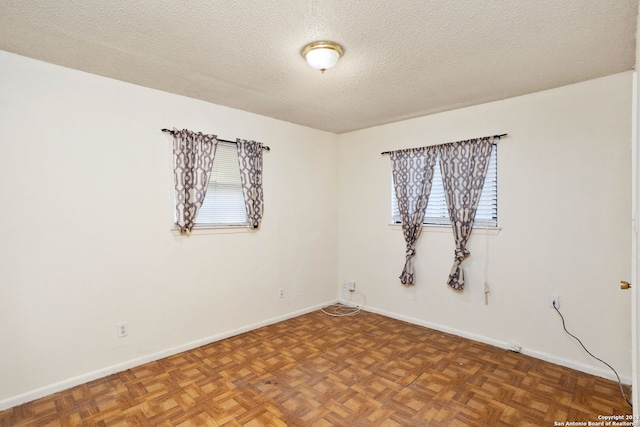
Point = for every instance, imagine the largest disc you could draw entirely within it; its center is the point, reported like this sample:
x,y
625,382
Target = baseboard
x,y
604,373
113,369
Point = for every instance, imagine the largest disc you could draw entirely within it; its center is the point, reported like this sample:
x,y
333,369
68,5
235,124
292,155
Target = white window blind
x,y
437,214
224,202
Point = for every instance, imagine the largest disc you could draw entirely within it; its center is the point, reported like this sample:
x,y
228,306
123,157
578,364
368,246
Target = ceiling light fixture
x,y
322,55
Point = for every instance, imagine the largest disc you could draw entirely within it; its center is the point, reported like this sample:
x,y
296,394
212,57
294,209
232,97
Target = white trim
x,y
635,273
113,369
491,231
201,231
604,373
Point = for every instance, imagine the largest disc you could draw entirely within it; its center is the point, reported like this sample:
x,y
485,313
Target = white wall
x,y
564,208
85,184
86,191
635,191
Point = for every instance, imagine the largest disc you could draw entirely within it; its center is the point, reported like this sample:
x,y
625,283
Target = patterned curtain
x,y
464,167
412,176
250,161
193,155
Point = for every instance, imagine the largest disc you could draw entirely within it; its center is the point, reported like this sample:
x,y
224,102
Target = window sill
x,y
490,231
230,229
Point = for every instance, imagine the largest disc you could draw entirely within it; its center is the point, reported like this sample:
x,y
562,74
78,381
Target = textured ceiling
x,y
403,59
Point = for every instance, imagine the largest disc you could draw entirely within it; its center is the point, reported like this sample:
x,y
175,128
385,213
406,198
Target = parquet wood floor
x,y
316,370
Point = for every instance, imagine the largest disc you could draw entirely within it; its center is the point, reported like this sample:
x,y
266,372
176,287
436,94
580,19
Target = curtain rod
x,y
498,136
264,147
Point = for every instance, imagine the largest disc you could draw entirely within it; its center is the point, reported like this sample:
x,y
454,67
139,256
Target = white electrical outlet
x,y
345,291
281,292
351,286
123,329
554,301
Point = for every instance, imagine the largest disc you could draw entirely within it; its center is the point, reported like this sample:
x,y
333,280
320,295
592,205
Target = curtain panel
x,y
464,168
412,178
250,162
193,155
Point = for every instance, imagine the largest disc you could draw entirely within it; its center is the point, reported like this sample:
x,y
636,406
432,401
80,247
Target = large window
x,y
223,205
437,214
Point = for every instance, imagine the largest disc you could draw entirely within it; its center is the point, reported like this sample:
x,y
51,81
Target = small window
x,y
223,205
437,214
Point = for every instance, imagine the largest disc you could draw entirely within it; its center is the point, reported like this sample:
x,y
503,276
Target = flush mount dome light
x,y
322,55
